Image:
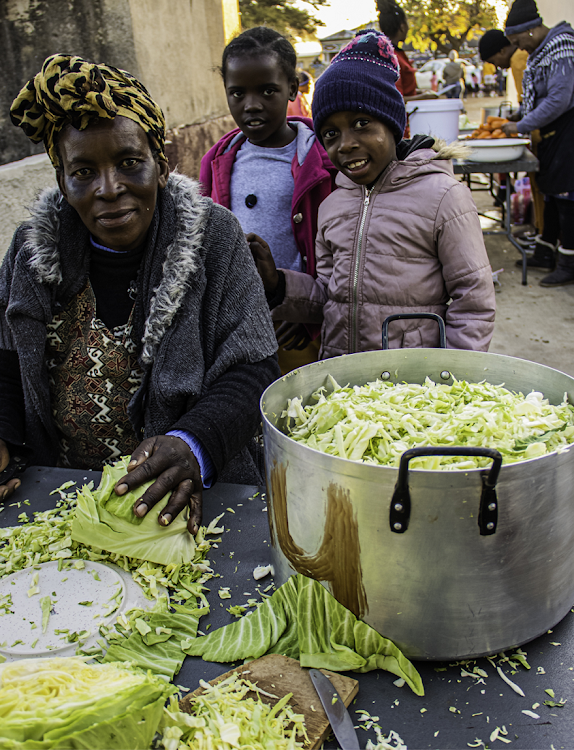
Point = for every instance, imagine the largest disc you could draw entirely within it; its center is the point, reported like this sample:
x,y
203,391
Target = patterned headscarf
x,y
71,90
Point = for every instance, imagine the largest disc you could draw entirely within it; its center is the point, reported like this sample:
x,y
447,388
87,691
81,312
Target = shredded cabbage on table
x,y
377,422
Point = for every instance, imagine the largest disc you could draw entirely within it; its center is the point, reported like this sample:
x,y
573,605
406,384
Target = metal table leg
x,y
508,231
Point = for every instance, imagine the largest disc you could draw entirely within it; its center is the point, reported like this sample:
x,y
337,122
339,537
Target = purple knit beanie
x,y
362,78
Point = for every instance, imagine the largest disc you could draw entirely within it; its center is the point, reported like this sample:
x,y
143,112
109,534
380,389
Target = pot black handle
x,y
488,512
404,316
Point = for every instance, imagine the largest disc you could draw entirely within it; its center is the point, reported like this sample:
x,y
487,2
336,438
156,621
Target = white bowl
x,y
496,149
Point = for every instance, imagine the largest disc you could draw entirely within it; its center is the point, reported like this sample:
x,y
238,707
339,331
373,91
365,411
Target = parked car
x,y
423,76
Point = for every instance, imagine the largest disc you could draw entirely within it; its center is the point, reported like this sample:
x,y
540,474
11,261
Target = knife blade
x,y
336,711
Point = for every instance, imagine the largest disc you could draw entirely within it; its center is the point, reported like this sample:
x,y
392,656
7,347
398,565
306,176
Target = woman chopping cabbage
x,y
132,318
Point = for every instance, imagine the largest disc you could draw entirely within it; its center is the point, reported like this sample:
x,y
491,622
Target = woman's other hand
x,y
292,336
509,128
12,484
169,460
264,262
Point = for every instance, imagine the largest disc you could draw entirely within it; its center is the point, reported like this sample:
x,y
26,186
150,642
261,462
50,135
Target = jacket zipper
x,y
354,332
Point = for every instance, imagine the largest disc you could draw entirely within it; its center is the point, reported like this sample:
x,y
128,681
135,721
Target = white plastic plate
x,y
81,600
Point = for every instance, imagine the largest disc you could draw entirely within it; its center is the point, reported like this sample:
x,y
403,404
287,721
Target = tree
x,y
446,24
282,15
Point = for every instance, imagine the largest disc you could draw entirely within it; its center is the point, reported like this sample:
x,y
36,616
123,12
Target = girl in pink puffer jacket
x,y
400,235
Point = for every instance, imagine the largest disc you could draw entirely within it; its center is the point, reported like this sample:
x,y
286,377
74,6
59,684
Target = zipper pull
x,y
368,196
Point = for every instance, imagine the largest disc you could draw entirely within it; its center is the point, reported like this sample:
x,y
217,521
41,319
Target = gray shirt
x,y
266,174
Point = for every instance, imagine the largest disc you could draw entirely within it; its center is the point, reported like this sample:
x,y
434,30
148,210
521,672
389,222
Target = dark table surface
x,y
478,708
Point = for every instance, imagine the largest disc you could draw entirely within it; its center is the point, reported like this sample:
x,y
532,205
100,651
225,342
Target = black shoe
x,y
563,274
543,257
527,240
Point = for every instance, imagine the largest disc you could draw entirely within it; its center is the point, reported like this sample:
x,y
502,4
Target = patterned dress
x,y
93,374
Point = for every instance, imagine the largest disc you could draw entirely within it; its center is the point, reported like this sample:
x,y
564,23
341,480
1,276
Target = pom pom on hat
x,y
523,16
362,78
492,42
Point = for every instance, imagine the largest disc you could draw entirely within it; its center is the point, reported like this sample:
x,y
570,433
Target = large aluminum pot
x,y
444,588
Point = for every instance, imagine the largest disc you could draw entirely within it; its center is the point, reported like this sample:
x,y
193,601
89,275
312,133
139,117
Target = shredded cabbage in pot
x,y
375,423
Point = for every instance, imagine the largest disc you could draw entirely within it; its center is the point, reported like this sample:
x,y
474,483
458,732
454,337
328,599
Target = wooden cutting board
x,y
280,675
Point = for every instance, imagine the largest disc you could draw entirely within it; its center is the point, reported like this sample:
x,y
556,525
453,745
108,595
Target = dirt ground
x,y
531,322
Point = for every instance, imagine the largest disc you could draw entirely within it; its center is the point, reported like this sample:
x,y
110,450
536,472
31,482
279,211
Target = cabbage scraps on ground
x,y
106,520
375,423
64,702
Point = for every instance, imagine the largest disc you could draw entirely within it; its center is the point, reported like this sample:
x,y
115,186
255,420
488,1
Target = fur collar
x,y
455,150
181,256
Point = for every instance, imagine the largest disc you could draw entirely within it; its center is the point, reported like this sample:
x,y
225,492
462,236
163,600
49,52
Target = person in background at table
x,y
488,78
475,84
132,318
495,48
400,234
548,105
302,105
393,23
270,171
453,74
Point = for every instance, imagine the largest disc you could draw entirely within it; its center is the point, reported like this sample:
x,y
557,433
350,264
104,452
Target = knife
x,y
15,467
336,711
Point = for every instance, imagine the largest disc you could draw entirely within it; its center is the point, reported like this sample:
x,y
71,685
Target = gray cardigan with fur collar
x,y
206,339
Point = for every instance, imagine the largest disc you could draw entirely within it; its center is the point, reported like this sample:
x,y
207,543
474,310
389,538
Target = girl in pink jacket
x,y
400,234
271,171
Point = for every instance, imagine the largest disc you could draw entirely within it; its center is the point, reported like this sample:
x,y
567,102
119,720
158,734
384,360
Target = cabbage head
x,y
66,703
106,521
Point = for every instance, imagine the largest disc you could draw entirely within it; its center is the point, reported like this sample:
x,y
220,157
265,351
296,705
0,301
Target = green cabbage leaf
x,y
303,621
66,703
106,521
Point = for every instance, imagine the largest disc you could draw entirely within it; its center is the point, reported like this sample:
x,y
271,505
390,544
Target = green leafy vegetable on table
x,y
303,621
106,520
64,702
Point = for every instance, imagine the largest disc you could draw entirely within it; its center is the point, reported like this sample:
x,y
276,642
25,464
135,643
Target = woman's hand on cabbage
x,y
168,460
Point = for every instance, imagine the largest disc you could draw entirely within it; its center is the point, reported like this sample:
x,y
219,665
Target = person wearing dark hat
x,y
400,234
393,23
132,318
548,104
494,47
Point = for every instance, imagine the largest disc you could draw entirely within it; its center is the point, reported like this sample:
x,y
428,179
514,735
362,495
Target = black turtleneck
x,y
111,275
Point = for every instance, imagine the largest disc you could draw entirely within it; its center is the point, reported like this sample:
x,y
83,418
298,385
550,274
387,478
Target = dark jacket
x,y
206,342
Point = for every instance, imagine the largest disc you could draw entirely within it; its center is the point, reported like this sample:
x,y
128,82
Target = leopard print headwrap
x,y
71,90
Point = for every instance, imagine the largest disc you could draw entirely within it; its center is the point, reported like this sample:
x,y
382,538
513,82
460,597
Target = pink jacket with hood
x,y
412,243
313,173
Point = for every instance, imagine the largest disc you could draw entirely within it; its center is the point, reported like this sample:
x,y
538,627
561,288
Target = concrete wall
x,y
173,46
178,46
31,30
554,11
20,183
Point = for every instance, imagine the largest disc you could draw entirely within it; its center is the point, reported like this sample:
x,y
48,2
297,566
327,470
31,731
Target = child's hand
x,y
264,262
292,336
